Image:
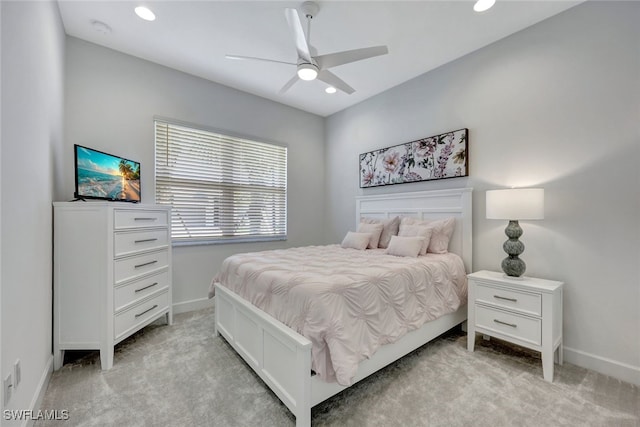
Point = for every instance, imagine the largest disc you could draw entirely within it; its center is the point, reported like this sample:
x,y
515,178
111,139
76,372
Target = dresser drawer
x,y
508,324
525,302
133,292
132,267
130,319
139,218
129,242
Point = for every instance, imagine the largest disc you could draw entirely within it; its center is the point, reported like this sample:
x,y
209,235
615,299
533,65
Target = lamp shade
x,y
515,204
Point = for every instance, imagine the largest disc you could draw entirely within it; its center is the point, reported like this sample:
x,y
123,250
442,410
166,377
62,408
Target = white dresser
x,y
524,311
112,274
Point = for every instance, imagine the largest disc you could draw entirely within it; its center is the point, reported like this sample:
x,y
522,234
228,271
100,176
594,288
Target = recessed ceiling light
x,y
145,13
330,89
482,5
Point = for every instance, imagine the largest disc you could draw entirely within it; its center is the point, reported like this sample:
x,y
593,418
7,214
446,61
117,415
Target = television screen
x,y
104,176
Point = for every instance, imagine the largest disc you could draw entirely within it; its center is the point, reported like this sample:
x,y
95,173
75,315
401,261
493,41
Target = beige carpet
x,y
182,375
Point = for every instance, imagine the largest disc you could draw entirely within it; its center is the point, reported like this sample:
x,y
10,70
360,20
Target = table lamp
x,y
514,205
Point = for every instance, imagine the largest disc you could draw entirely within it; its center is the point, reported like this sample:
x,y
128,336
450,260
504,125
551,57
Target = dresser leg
x,y
106,358
169,317
547,365
560,354
58,359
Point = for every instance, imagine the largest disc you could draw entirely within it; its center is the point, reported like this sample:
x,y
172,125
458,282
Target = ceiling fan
x,y
311,66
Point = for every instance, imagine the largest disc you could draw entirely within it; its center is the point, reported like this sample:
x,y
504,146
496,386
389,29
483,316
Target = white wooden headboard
x,y
427,205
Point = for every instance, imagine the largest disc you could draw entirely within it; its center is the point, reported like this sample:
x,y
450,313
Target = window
x,y
221,188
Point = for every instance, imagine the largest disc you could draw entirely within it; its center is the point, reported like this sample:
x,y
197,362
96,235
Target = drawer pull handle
x,y
145,264
513,325
144,240
145,219
146,287
146,311
505,298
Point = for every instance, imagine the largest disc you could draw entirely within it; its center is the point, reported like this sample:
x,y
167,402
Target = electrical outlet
x,y
7,386
17,374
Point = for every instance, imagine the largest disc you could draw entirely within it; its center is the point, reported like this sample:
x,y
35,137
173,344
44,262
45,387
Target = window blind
x,y
221,188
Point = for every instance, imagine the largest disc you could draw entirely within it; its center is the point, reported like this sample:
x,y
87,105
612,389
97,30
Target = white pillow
x,y
356,240
389,228
405,246
375,230
417,231
442,230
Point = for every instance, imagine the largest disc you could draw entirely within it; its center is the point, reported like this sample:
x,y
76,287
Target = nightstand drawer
x,y
511,325
524,302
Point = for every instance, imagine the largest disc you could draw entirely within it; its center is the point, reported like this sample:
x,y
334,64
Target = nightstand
x,y
523,311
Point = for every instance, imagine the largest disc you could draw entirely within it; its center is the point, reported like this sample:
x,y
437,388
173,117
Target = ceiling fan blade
x,y
288,85
339,58
253,58
335,81
298,34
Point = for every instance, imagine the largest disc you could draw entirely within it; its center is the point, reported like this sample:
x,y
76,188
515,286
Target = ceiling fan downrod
x,y
309,9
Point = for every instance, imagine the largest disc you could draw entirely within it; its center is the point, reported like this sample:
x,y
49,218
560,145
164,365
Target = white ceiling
x,y
194,36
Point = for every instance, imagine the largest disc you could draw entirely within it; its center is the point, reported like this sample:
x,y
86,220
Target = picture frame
x,y
436,157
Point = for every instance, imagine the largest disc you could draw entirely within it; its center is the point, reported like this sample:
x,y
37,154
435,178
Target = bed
x,y
283,357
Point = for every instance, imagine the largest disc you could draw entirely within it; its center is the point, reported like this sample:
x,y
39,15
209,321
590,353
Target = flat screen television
x,y
105,176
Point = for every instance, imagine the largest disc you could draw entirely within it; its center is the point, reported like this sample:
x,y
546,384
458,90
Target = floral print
x,y
435,157
391,161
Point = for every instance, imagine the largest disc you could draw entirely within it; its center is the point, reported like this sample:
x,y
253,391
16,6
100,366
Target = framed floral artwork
x,y
436,157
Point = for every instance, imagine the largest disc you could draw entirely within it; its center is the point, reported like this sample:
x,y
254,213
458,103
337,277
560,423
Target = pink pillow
x,y
389,228
356,240
375,230
405,246
442,230
421,231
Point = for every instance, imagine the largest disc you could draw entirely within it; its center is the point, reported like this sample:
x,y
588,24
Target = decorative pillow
x,y
375,230
417,231
389,228
356,240
405,246
442,230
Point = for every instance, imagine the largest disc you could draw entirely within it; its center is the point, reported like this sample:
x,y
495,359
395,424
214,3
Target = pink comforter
x,y
346,302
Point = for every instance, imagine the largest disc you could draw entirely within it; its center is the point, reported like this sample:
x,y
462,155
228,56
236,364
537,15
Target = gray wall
x,y
111,99
555,106
32,108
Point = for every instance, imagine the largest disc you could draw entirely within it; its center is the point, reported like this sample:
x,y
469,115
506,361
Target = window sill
x,y
226,241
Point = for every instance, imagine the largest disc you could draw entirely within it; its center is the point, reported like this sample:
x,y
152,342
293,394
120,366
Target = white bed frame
x,y
282,357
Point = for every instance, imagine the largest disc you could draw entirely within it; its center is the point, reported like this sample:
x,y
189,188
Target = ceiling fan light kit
x,y
317,66
307,72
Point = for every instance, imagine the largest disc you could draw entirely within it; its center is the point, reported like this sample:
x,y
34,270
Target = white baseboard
x,y
613,368
192,305
36,402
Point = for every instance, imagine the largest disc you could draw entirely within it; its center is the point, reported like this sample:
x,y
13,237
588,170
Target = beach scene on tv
x,y
105,176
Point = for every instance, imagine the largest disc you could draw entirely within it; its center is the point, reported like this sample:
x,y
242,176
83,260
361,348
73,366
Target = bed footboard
x,y
279,355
